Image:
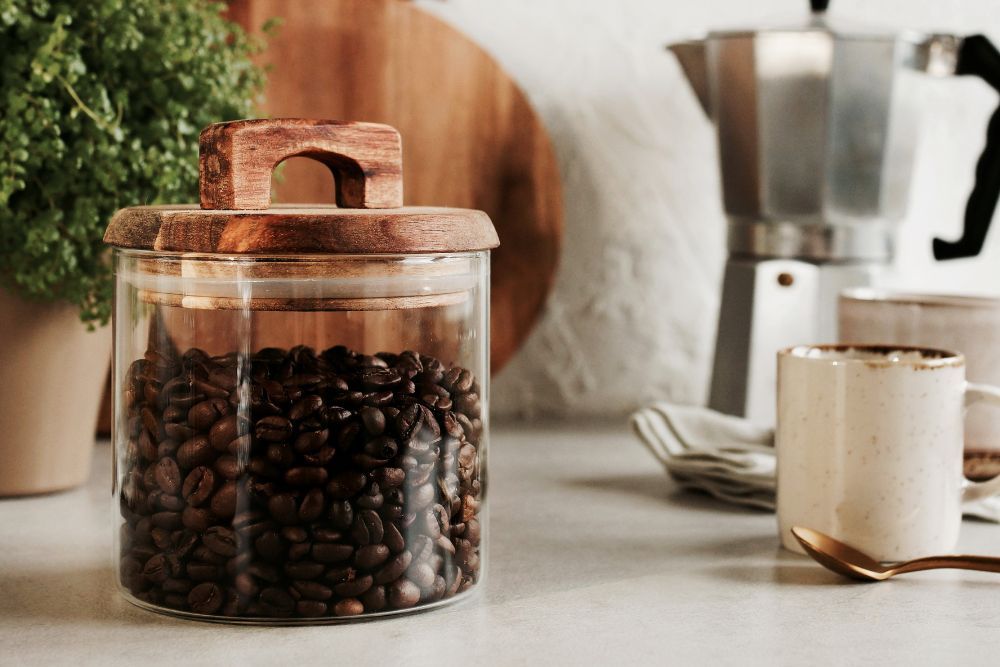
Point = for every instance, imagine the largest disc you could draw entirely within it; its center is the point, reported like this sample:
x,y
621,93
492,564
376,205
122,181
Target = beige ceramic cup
x,y
869,447
968,324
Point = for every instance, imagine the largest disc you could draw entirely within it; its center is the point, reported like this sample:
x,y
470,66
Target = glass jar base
x,y
458,599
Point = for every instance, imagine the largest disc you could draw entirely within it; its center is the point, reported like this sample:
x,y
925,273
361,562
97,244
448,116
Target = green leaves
x,y
101,103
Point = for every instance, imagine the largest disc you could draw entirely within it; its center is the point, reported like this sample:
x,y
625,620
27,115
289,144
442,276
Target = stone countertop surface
x,y
595,558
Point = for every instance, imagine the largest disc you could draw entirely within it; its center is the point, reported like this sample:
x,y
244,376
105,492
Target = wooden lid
x,y
236,161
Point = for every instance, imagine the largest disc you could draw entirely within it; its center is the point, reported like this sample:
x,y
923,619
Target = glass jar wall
x,y
300,439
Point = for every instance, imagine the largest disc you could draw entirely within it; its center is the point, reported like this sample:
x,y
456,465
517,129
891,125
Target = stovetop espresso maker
x,y
816,130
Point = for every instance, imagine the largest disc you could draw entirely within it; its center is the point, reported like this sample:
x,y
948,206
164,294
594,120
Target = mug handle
x,y
976,393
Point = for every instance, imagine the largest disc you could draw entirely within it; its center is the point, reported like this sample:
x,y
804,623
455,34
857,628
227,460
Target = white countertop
x,y
594,559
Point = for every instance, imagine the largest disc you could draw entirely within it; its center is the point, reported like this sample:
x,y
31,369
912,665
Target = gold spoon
x,y
848,561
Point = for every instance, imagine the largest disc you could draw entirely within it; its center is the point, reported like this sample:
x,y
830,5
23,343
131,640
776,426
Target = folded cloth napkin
x,y
728,457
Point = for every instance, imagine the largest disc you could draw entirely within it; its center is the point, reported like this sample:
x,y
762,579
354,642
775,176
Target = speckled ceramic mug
x,y
869,446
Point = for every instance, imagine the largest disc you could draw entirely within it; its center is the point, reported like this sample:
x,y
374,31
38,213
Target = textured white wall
x,y
632,317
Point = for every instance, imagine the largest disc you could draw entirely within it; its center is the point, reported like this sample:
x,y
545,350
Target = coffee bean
x,y
284,508
393,538
403,594
421,574
176,586
394,569
270,546
277,599
295,534
468,404
198,486
417,474
421,497
220,540
313,590
373,420
312,507
178,432
195,452
245,584
304,569
311,608
347,435
224,431
299,551
346,484
390,477
331,553
168,476
381,448
422,547
435,591
280,455
336,415
240,447
473,532
368,528
197,519
408,421
203,415
228,467
273,429
445,545
206,555
223,503
147,448
306,476
264,572
341,514
321,458
355,584
349,607
305,407
372,499
466,556
262,469
371,556
374,599
156,569
311,441
379,378
167,520
171,503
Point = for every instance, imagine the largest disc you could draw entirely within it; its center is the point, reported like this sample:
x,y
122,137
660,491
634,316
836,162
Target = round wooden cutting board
x,y
470,138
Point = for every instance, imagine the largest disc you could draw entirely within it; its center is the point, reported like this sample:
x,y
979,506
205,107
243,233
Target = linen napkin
x,y
728,457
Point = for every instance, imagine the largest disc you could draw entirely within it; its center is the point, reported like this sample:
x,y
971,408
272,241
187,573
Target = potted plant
x,y
102,102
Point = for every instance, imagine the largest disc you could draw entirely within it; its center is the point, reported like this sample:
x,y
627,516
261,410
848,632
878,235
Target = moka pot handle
x,y
978,56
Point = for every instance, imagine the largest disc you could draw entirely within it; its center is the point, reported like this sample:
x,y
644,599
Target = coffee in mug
x,y
869,446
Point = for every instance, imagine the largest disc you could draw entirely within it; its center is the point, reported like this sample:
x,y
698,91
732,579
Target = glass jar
x,y
301,397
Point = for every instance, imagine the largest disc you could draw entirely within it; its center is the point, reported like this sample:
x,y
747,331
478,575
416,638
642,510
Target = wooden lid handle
x,y
237,158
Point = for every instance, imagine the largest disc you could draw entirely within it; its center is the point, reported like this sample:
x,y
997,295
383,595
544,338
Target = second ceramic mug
x,y
869,446
969,324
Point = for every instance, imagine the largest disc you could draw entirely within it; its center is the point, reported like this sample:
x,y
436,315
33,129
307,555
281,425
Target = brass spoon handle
x,y
979,563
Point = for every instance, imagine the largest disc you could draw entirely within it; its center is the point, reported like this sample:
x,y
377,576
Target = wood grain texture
x,y
295,229
237,158
470,138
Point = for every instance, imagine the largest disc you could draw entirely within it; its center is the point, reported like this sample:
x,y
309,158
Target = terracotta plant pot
x,y
52,374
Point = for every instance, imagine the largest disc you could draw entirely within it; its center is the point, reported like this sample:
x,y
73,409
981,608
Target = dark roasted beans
x,y
325,485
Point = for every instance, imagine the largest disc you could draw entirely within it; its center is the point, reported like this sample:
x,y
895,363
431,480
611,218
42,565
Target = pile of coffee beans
x,y
291,484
